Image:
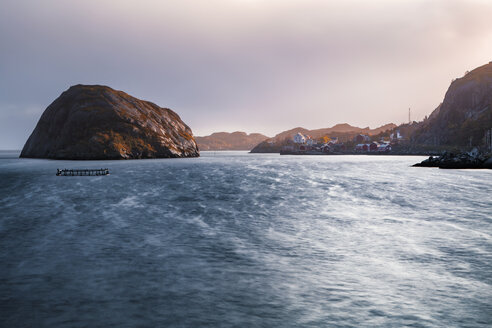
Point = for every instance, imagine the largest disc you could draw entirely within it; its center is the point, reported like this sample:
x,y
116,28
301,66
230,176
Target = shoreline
x,y
392,153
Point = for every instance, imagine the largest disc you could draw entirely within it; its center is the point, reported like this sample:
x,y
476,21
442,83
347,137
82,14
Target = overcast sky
x,y
249,65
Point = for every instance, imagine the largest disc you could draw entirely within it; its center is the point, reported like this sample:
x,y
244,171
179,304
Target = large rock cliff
x,y
465,113
90,122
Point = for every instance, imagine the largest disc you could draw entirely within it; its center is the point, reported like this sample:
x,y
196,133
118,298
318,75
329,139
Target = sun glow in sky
x,y
250,65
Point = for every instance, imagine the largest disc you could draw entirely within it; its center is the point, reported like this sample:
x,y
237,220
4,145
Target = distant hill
x,y
343,131
464,115
230,141
342,128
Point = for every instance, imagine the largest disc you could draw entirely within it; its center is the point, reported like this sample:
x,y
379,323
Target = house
x,y
310,141
299,138
337,147
359,147
325,148
373,146
363,147
396,135
367,147
384,148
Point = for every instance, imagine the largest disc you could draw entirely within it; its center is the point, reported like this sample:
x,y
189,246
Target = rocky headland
x,y
94,122
464,116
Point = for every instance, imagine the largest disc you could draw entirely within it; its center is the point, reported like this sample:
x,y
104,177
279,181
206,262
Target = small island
x,y
95,122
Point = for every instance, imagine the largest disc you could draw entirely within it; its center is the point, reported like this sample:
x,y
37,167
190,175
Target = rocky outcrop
x,y
230,141
92,122
464,115
470,160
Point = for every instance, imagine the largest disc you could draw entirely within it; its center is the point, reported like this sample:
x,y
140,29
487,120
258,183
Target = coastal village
x,y
307,145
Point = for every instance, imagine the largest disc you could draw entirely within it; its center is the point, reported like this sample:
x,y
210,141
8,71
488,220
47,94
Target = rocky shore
x,y
470,160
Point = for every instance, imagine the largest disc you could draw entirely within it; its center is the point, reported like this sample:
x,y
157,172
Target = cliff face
x,y
465,113
230,141
96,122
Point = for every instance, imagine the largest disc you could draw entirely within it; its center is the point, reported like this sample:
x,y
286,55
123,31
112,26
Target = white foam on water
x,y
130,201
255,240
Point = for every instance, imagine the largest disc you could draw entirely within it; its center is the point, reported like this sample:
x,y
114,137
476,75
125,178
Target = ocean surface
x,y
233,239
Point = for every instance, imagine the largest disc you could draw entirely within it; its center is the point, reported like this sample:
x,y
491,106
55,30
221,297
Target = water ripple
x,y
235,239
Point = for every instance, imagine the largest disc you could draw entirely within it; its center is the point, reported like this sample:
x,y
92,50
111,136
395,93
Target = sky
x,y
248,65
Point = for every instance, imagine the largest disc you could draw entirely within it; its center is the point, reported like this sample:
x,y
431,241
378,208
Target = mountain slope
x,y
230,141
465,113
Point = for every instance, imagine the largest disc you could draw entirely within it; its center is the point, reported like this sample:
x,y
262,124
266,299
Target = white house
x,y
311,141
299,138
384,148
396,135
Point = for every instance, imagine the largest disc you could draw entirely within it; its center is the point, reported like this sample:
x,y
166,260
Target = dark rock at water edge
x,y
93,122
470,160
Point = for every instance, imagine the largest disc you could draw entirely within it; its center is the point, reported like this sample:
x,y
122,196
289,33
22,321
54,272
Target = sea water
x,y
233,239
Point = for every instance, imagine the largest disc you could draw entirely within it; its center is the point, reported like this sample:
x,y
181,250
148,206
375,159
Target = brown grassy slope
x,y
230,141
344,128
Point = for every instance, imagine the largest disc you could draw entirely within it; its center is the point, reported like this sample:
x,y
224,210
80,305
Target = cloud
x,y
247,65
